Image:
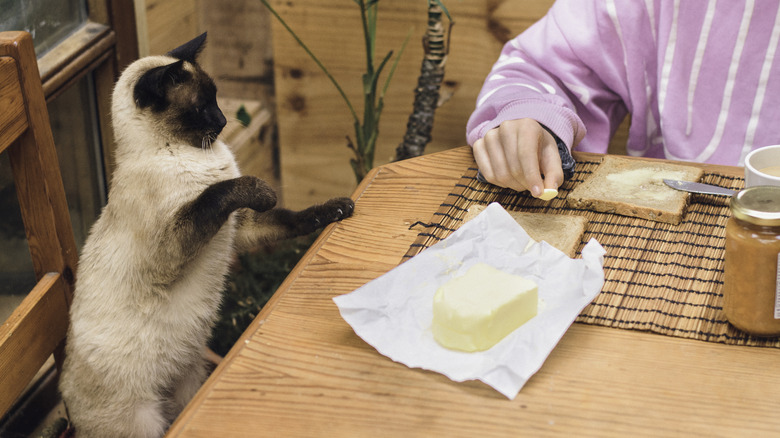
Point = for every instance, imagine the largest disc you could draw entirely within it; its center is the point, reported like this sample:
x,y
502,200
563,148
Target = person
x,y
701,81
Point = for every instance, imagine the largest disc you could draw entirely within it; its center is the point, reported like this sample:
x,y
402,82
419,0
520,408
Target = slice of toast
x,y
635,188
563,232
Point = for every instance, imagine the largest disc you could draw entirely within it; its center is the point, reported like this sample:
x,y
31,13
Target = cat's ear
x,y
150,89
189,51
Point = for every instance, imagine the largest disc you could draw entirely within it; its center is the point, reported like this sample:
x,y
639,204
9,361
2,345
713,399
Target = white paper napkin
x,y
394,313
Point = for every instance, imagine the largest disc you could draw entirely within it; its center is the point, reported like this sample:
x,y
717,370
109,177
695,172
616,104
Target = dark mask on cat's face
x,y
183,96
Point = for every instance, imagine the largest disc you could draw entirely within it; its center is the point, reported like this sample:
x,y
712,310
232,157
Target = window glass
x,y
48,21
16,272
74,126
77,138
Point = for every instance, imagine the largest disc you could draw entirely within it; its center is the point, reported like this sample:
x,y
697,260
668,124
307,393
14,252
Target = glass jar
x,y
751,284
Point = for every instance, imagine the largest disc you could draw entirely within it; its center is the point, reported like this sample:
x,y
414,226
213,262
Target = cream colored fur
x,y
141,318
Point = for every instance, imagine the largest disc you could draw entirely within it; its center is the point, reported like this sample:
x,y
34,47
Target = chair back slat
x,y
13,120
30,335
37,328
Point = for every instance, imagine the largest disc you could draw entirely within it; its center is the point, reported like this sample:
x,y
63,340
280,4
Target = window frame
x,y
103,47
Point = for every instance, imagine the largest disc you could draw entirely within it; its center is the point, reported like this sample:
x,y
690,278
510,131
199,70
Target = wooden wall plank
x,y
313,121
170,23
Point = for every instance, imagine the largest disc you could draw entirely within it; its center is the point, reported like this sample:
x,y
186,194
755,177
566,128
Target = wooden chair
x,y
37,328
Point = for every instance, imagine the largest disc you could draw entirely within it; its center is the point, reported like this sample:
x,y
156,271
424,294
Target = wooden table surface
x,y
300,370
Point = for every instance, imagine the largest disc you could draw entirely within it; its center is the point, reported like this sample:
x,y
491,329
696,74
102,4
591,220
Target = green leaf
x,y
395,63
378,112
368,36
355,166
367,81
371,13
381,66
360,139
243,116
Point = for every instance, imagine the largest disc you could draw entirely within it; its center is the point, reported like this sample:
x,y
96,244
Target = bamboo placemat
x,y
659,277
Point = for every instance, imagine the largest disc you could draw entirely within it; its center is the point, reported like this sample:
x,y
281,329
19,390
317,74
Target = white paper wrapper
x,y
394,313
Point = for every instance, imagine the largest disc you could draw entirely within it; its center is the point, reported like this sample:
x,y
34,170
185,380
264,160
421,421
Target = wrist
x,y
567,161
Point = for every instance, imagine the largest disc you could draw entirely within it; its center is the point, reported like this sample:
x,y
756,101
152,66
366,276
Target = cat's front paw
x,y
337,209
261,196
319,216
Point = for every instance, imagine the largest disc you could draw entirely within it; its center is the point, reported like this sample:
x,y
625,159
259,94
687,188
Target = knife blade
x,y
694,187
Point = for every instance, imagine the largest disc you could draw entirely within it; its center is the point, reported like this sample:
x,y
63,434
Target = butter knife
x,y
694,187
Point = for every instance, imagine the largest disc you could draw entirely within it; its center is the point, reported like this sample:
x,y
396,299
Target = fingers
x,y
520,154
483,159
529,143
492,161
550,163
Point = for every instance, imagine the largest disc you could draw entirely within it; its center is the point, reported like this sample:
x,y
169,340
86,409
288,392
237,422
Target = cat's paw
x,y
260,195
337,209
340,208
319,216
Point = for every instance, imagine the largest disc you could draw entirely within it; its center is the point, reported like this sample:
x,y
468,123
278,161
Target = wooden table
x,y
300,370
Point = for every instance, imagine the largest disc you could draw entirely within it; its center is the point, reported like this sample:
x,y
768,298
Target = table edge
x,y
181,422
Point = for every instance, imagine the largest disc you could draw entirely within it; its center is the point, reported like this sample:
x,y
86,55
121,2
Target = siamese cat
x,y
152,271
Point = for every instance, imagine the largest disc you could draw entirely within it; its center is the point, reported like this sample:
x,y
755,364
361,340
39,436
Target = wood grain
x,y
76,56
251,143
313,119
13,120
169,23
30,334
36,169
37,328
300,370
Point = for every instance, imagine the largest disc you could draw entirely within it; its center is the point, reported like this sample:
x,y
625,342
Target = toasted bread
x,y
635,188
563,232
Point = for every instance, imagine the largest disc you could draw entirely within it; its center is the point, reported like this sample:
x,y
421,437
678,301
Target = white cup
x,y
762,167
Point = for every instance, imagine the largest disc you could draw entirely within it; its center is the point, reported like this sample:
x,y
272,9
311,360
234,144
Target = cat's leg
x,y
120,418
187,386
280,223
196,223
199,220
148,420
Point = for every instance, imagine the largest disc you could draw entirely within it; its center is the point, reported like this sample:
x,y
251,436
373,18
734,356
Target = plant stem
x,y
367,131
426,94
311,54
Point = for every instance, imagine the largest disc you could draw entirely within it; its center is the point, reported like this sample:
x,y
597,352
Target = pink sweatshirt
x,y
702,83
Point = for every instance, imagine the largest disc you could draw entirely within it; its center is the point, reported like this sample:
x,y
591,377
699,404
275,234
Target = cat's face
x,y
183,97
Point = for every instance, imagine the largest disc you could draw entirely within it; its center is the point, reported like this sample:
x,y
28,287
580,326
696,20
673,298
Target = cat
x,y
152,270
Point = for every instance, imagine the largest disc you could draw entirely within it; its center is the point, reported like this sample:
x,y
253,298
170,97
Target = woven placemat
x,y
659,277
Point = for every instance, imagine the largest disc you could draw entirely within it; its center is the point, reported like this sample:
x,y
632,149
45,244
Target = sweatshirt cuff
x,y
559,120
567,161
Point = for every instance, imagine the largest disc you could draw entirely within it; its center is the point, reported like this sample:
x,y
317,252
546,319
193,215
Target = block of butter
x,y
476,310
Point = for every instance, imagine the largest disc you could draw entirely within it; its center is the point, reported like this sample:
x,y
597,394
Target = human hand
x,y
517,154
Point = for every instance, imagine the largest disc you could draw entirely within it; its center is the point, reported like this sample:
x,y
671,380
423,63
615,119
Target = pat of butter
x,y
645,183
475,311
548,194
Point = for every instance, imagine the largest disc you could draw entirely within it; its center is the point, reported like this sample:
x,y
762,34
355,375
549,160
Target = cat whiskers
x,y
207,141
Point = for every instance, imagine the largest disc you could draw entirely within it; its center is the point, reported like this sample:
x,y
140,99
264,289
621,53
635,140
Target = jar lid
x,y
759,205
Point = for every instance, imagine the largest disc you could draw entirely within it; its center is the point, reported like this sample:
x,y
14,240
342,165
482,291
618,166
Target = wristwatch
x,y
567,161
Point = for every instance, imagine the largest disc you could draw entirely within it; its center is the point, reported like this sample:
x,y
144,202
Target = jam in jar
x,y
751,284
